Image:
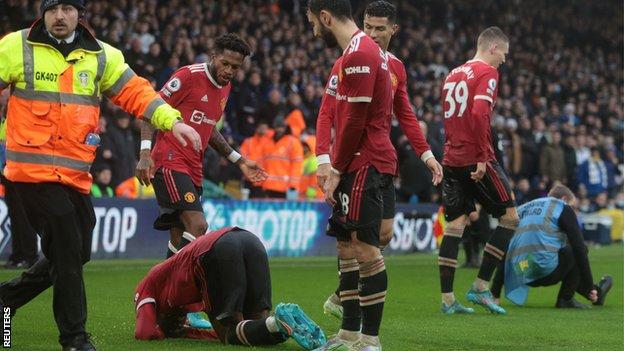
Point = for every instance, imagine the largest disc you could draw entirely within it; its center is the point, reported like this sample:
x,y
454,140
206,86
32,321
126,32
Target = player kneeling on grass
x,y
224,273
548,248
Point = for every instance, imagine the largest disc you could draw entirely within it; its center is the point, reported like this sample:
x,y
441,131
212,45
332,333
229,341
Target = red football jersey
x,y
401,107
467,128
327,110
363,138
173,284
201,100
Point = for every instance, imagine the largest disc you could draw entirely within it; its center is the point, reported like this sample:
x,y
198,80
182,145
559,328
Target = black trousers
x,y
567,272
65,220
23,236
237,276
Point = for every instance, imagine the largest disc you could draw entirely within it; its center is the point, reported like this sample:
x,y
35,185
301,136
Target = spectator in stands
x,y
101,183
274,84
154,61
294,117
570,160
283,159
163,75
552,160
310,105
522,192
143,35
614,174
582,151
253,149
513,151
592,174
122,146
412,172
273,109
569,115
530,150
136,58
563,75
247,110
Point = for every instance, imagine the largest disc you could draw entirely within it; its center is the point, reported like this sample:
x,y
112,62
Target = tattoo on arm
x,y
147,130
218,142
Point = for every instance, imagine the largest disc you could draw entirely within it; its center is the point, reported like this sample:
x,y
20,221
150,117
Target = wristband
x,y
146,144
323,159
234,156
426,155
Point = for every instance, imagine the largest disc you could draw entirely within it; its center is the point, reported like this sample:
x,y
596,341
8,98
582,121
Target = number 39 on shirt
x,y
457,98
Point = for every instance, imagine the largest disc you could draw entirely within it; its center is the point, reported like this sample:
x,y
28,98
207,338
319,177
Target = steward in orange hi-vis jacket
x,y
57,71
283,161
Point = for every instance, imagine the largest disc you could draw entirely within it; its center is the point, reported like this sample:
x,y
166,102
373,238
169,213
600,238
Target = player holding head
x,y
224,273
363,158
471,171
380,25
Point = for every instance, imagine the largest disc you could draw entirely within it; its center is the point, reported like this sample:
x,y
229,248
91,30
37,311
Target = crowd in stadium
x,y
559,115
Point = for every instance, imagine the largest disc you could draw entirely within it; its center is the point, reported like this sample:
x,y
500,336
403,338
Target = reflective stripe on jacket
x,y
55,104
283,162
533,252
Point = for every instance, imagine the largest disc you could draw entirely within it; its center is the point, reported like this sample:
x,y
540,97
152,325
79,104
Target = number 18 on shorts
x,y
359,206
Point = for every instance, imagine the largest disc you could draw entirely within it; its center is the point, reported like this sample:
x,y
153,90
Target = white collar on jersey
x,y
355,41
478,60
212,80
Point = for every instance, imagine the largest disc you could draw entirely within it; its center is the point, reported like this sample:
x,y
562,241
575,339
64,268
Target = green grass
x,y
412,320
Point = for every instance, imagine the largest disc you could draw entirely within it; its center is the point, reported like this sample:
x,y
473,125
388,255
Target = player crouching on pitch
x,y
224,273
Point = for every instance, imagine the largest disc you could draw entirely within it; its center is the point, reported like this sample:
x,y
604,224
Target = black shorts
x,y
359,206
459,191
388,196
237,276
175,193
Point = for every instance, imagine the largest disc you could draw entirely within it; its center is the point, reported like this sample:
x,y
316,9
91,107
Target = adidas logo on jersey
x,y
205,98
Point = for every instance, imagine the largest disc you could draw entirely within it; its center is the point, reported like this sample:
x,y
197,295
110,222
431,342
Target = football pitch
x,y
412,320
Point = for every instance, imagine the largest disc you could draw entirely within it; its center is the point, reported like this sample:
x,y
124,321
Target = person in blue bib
x,y
548,248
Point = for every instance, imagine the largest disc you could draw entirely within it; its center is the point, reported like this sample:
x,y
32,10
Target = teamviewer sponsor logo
x,y
197,117
357,69
6,328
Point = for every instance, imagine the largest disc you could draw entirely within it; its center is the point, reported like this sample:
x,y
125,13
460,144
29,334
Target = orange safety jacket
x,y
252,149
296,122
55,104
283,162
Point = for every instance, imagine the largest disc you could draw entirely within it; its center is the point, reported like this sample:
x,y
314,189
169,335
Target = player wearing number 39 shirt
x,y
471,172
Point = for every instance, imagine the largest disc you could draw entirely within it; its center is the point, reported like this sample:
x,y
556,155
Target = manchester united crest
x,y
189,197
